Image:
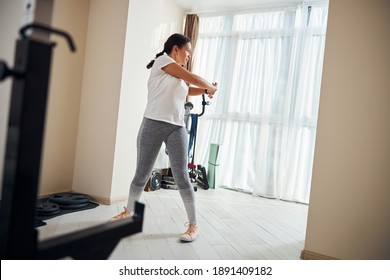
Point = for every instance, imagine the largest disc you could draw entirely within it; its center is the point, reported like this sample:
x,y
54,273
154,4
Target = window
x,y
268,65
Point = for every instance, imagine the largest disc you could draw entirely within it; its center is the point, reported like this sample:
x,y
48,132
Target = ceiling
x,y
213,5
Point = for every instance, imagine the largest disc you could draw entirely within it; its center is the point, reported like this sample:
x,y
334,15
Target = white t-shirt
x,y
166,94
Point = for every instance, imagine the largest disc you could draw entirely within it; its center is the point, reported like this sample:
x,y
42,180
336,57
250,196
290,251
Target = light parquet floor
x,y
233,226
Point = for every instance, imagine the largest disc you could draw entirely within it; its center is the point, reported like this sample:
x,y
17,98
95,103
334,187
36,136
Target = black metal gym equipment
x,y
18,235
197,173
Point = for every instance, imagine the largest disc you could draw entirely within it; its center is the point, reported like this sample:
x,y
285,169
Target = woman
x,y
164,122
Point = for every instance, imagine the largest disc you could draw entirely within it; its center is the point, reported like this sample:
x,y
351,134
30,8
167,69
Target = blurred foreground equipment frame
x,y
18,235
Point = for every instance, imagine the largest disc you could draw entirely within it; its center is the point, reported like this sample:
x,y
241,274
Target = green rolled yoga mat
x,y
213,163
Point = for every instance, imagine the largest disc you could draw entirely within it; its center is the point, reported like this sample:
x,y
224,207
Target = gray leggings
x,y
150,138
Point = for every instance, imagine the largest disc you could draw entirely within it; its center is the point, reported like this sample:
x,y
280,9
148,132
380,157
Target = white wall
x,y
123,36
150,22
99,104
349,211
64,97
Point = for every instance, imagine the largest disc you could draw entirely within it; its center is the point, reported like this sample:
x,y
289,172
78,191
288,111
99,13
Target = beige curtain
x,y
191,29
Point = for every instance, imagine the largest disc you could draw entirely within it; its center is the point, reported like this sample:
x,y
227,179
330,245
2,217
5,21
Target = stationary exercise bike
x,y
197,173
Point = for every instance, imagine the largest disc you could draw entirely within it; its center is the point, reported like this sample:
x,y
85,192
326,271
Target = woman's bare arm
x,y
179,72
194,91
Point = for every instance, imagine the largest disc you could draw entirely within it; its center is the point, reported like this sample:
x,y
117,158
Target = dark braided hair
x,y
173,40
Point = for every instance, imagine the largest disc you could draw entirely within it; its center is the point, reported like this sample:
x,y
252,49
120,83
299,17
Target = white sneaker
x,y
191,234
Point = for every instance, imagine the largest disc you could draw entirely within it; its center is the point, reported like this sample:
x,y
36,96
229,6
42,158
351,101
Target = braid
x,y
160,53
152,61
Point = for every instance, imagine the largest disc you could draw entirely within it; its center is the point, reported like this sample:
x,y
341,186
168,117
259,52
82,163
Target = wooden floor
x,y
233,226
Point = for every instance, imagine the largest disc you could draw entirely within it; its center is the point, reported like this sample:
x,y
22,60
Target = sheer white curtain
x,y
268,65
